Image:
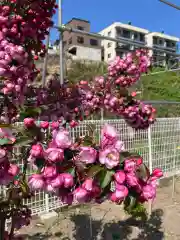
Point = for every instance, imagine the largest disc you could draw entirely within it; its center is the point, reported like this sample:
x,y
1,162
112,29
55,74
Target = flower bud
x,y
81,195
36,150
120,177
49,172
119,195
29,122
36,182
68,180
13,170
44,125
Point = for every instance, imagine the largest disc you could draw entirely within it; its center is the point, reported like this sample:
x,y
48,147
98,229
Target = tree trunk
x,y
2,227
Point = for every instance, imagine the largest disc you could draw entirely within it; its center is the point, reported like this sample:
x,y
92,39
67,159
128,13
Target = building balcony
x,y
168,48
122,46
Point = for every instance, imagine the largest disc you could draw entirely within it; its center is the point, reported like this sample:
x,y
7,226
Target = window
x,y
126,33
73,51
94,42
155,40
80,28
70,40
173,44
80,40
109,33
120,54
109,44
109,55
142,37
160,41
135,36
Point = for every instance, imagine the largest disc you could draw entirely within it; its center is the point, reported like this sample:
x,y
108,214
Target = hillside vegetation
x,y
163,86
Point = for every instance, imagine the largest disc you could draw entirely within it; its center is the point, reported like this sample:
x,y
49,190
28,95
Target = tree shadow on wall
x,y
122,230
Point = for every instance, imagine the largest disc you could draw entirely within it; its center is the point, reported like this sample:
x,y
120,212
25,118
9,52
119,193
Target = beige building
x,y
80,46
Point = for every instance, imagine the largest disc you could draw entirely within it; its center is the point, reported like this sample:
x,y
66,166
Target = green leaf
x,y
94,170
134,208
69,154
143,172
128,155
40,162
29,112
88,141
105,177
71,171
23,140
129,203
5,141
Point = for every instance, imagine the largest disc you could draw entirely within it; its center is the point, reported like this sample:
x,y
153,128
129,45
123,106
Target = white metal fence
x,y
158,145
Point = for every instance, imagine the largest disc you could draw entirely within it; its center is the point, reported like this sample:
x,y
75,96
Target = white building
x,y
138,35
127,31
165,42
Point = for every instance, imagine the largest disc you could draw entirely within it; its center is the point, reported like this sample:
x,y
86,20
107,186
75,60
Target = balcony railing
x,y
173,49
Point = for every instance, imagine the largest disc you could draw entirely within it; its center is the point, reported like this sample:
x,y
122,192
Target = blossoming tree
x,y
80,171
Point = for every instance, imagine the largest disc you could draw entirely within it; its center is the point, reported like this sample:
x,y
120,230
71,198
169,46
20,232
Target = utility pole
x,y
60,43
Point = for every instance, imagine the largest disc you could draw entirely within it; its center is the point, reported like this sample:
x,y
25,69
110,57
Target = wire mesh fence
x,y
158,145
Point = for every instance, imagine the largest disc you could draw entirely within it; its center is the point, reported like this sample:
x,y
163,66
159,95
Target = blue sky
x,y
149,14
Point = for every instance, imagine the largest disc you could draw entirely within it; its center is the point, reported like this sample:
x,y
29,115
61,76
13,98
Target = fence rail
x,y
158,145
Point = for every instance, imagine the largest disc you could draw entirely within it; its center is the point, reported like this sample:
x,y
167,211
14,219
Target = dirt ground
x,y
108,221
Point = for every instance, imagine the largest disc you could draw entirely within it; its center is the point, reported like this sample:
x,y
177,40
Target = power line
x,y
170,4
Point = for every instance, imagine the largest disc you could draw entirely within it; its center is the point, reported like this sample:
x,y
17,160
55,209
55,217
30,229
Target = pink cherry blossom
x,y
7,133
148,192
36,182
62,139
49,172
54,154
29,122
68,180
81,195
157,173
3,155
13,170
44,125
129,165
87,155
120,194
133,181
108,136
57,181
55,125
120,177
109,157
36,150
119,145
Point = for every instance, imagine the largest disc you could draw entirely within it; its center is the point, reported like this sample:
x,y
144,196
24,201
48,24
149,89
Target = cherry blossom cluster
x,y
102,94
7,170
63,177
23,27
126,71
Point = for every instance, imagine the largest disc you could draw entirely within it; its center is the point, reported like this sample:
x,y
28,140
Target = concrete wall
x,y
88,53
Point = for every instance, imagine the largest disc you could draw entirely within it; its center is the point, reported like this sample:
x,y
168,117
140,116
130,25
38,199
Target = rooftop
x,y
78,19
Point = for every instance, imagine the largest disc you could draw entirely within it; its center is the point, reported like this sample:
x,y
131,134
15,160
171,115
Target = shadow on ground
x,y
90,229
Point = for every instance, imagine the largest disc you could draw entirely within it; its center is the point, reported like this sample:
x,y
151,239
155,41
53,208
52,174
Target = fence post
x,y
174,171
150,164
47,202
